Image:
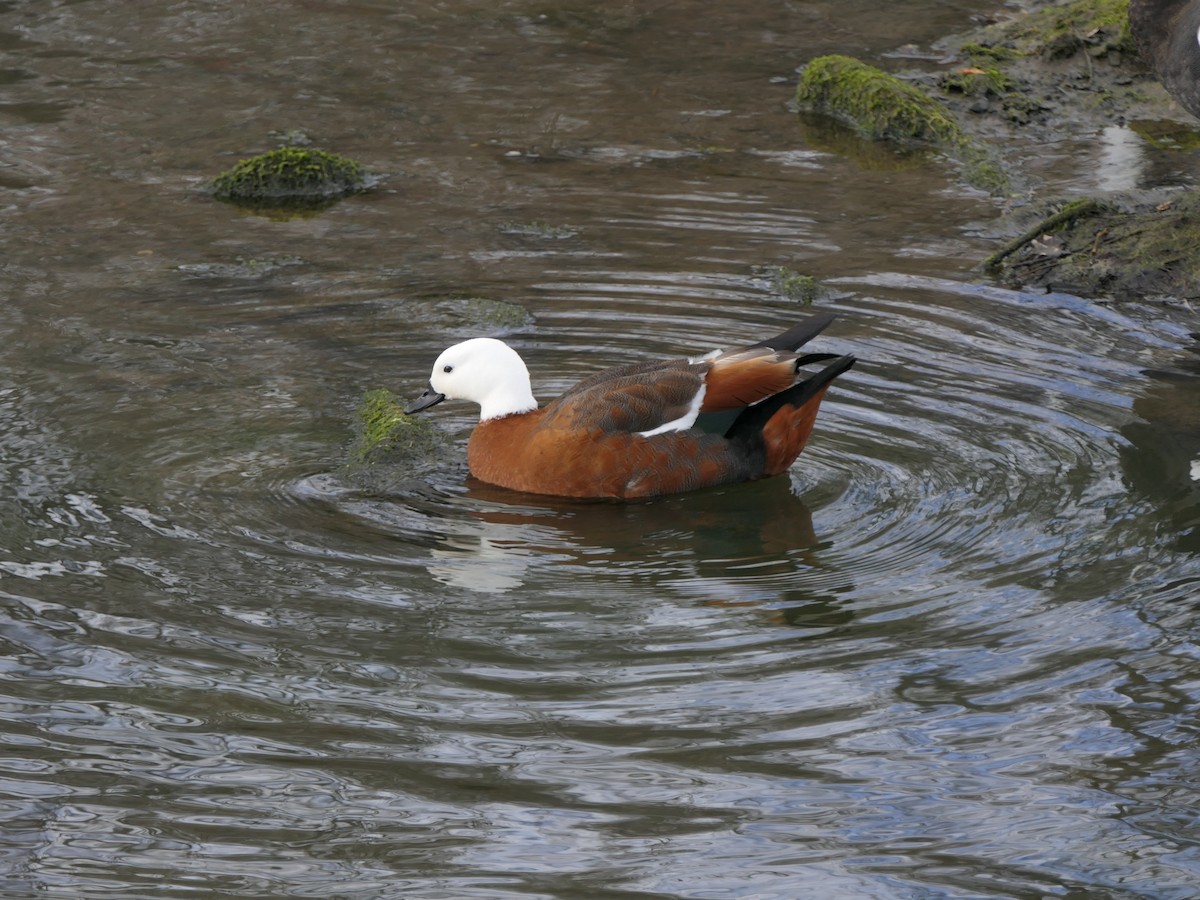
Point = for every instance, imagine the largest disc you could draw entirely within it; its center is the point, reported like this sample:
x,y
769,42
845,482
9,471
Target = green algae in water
x,y
290,175
385,433
804,289
880,106
468,316
1167,135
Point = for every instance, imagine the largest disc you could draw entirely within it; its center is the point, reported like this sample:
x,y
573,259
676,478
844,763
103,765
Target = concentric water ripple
x,y
845,669
963,492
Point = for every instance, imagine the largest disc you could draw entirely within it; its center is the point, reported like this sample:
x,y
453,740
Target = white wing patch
x,y
684,422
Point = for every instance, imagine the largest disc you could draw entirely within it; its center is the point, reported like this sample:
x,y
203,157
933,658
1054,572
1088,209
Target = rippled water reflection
x,y
951,655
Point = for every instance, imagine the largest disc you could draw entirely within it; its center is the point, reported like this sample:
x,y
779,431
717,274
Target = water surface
x,y
952,654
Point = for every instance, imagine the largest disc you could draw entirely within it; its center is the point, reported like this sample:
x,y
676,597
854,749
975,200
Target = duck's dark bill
x,y
428,398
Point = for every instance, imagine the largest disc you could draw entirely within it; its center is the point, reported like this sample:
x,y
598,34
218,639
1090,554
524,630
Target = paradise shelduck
x,y
1168,35
643,429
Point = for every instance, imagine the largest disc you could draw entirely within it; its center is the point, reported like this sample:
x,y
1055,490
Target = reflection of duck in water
x,y
752,545
644,429
1168,36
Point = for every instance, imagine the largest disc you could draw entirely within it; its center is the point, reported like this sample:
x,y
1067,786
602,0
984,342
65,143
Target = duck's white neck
x,y
507,399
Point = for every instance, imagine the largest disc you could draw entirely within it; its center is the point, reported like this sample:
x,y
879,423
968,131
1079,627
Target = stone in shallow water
x,y
291,175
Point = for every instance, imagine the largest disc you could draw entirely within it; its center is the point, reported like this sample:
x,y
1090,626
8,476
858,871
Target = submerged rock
x,y
291,176
385,429
467,316
391,448
792,285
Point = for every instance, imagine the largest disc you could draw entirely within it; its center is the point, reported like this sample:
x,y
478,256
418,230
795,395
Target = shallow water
x,y
952,655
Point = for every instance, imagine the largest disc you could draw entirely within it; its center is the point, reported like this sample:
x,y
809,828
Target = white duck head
x,y
483,370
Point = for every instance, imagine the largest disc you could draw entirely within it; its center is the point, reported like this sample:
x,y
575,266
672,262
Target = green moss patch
x,y
290,175
975,81
879,106
385,431
792,285
391,450
1056,32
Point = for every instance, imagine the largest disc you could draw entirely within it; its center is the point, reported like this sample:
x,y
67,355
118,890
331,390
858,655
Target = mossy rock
x,y
291,176
879,106
1123,248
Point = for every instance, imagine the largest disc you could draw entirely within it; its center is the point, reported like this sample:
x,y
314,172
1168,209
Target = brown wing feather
x,y
642,400
643,369
739,379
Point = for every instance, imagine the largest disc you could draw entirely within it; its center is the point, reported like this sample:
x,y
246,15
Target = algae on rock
x,y
792,285
290,175
385,434
880,106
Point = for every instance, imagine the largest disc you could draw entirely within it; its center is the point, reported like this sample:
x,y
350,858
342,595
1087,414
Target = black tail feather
x,y
747,427
799,335
809,358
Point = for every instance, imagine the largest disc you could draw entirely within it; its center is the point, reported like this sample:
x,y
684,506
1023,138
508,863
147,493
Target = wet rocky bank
x,y
990,99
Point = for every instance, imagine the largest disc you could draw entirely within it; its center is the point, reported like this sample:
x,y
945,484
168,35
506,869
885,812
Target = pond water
x,y
953,654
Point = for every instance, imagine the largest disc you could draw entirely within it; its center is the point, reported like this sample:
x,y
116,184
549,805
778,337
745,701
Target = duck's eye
x,y
447,368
